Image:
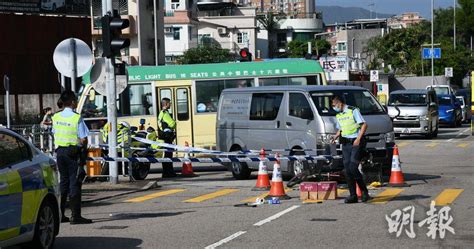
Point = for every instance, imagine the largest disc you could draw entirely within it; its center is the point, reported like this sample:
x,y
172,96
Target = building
x,y
224,22
181,28
147,46
289,7
404,20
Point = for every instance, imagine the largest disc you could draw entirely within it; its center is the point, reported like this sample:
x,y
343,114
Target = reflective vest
x,y
347,122
165,117
66,130
122,133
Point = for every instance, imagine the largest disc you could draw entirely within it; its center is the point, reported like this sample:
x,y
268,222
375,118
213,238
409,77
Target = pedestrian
x,y
47,123
167,126
351,129
70,136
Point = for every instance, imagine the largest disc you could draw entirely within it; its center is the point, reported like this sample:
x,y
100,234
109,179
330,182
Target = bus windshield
x,y
363,100
408,99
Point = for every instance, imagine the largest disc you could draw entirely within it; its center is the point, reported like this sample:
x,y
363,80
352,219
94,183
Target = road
x,y
172,216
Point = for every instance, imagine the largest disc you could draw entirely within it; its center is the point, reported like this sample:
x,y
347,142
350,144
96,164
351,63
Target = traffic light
x,y
245,55
112,41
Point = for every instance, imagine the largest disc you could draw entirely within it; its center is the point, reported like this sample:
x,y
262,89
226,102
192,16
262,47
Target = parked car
x,y
52,4
466,94
466,117
449,110
414,112
295,117
29,193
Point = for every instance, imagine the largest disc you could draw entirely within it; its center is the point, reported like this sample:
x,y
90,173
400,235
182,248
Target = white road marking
x,y
276,216
223,241
450,140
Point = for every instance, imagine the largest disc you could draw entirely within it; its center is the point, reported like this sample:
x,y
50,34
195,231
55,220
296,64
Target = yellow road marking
x,y
253,199
463,145
447,196
402,144
341,191
211,195
312,201
386,195
432,145
155,195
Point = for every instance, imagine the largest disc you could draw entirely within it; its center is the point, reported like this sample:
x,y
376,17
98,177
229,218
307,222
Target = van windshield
x,y
444,100
403,99
363,100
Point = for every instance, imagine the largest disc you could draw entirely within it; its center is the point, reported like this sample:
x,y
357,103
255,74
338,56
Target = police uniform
x,y
68,128
167,126
349,122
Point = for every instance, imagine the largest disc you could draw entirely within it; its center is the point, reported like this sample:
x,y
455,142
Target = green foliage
x,y
210,53
402,48
270,22
297,48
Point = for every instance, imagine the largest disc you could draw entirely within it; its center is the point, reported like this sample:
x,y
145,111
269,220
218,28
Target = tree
x,y
209,53
298,48
465,21
269,21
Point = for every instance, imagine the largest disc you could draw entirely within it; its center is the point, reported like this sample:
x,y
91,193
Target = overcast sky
x,y
391,6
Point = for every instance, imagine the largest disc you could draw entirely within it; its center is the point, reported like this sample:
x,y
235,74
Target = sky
x,y
391,6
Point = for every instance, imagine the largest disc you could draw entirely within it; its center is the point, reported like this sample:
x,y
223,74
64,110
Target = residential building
x,y
231,26
289,7
146,39
404,20
181,28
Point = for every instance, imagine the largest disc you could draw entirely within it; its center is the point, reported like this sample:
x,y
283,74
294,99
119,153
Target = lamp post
x,y
454,25
432,42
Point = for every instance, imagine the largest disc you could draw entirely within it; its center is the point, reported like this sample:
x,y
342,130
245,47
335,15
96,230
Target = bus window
x,y
166,93
136,100
182,101
94,105
208,92
282,81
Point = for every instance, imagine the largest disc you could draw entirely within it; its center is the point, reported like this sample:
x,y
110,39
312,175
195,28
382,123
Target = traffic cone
x,y
263,180
396,176
358,192
277,189
187,169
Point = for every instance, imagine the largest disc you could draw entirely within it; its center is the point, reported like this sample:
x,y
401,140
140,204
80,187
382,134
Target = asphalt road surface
x,y
200,212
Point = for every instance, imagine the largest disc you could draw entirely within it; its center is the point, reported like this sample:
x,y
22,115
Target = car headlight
x,y
450,110
390,137
424,117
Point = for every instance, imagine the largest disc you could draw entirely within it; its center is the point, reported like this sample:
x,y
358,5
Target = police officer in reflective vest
x,y
351,129
70,137
167,126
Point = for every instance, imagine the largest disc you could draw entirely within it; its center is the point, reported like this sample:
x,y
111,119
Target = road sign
x,y
427,53
98,78
62,57
374,75
448,72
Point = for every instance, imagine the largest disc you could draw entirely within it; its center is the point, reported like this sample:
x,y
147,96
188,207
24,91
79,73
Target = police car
x,y
29,193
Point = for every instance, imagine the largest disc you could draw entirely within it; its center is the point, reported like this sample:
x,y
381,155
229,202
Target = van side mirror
x,y
306,113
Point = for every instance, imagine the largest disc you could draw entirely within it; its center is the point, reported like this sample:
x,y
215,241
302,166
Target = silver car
x,y
414,111
466,117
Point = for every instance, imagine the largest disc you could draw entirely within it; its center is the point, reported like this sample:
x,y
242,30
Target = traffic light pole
x,y
111,104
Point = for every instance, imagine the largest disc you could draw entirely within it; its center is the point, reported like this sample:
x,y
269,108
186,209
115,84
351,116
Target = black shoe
x,y
350,199
365,197
65,219
80,220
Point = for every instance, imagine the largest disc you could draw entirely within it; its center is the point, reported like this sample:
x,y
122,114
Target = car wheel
x,y
240,170
297,167
45,228
140,170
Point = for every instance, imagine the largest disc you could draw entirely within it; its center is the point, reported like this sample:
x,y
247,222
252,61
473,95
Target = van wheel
x,y
297,167
240,170
45,227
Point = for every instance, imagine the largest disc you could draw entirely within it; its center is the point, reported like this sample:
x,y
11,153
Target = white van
x,y
295,117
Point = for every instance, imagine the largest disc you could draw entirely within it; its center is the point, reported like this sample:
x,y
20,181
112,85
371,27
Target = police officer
x,y
70,136
351,129
167,126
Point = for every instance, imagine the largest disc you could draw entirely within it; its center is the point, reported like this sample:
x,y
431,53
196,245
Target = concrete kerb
x,y
148,186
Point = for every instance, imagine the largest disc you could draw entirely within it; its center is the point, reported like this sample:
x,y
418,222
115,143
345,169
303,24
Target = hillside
x,y
333,14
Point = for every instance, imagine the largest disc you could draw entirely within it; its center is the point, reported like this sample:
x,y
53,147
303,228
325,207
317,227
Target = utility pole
x,y
111,103
432,42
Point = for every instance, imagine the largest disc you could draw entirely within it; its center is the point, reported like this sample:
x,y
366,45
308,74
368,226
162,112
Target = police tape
x,y
213,159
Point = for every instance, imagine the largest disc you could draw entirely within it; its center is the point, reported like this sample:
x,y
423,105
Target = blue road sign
x,y
427,53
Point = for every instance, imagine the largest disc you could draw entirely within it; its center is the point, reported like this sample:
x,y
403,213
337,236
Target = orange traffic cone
x,y
358,192
187,169
396,176
277,189
263,180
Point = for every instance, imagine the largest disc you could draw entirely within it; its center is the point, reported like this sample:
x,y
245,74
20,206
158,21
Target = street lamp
x,y
432,42
454,25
